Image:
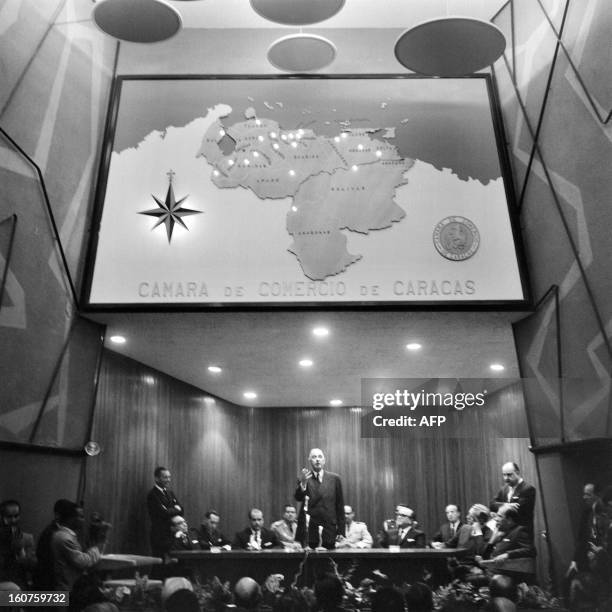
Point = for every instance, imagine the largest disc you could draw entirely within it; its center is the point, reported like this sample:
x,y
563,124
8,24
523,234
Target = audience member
x,y
329,593
356,534
402,532
162,505
256,536
286,528
419,598
517,495
448,530
247,594
210,537
503,586
70,561
388,599
17,555
43,575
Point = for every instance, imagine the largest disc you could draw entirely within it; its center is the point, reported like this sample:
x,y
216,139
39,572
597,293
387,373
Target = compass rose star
x,y
170,211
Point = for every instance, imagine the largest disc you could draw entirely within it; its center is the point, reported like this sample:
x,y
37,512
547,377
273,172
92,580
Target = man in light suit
x,y
449,529
325,502
356,534
515,494
162,506
286,528
402,532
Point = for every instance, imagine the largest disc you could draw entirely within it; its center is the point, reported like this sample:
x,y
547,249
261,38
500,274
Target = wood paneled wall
x,y
232,458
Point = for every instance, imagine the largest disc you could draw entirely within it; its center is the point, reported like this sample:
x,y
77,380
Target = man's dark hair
x,y
159,469
210,512
9,502
60,504
453,504
289,506
503,586
419,598
329,591
388,599
68,511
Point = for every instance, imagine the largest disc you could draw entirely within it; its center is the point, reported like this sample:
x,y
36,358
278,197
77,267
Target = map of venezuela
x,y
344,182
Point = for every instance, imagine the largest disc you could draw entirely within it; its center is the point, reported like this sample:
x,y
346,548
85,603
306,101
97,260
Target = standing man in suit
x,y
162,506
256,536
516,494
325,501
402,532
449,529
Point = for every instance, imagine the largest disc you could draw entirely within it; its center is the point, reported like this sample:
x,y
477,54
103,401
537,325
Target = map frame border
x,y
108,140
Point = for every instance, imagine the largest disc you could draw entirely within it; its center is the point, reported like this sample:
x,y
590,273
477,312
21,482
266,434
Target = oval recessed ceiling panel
x,y
301,53
140,21
452,46
297,12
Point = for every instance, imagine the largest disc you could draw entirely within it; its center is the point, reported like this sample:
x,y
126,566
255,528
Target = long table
x,y
405,565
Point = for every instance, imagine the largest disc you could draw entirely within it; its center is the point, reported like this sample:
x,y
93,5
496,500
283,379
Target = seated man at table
x,y
180,534
210,537
402,531
449,529
513,541
356,533
256,536
286,528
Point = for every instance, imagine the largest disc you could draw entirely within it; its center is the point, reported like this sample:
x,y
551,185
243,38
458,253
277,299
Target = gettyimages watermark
x,y
471,408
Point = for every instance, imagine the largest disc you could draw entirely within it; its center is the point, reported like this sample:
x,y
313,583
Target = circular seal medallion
x,y
456,238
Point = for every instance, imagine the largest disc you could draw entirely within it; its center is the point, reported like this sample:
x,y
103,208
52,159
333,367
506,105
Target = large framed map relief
x,y
315,191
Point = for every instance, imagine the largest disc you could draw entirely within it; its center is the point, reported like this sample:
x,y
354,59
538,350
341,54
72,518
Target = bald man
x,y
325,504
515,494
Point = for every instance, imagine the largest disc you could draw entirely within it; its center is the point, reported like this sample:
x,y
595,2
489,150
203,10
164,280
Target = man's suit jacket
x,y
524,495
209,539
69,559
444,534
325,501
474,544
515,543
358,535
268,539
413,538
592,529
285,535
161,509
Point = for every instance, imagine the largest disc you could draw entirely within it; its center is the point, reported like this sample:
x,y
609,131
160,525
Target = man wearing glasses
x,y
402,531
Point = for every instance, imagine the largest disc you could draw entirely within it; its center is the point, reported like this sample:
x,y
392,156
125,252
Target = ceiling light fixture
x,y
138,21
320,332
215,369
306,363
335,402
297,12
250,395
450,46
413,346
301,53
118,339
497,367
